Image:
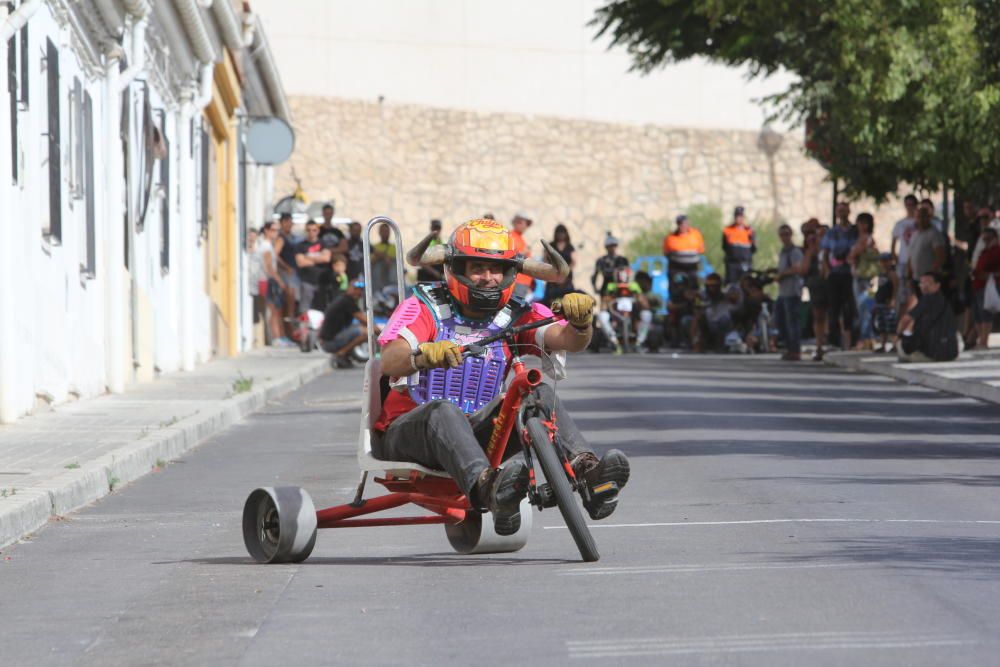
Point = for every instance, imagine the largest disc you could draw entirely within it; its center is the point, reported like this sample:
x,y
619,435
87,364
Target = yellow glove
x,y
441,354
578,309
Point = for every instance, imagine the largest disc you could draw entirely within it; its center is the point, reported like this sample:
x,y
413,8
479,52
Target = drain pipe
x,y
137,62
249,25
16,21
262,55
204,86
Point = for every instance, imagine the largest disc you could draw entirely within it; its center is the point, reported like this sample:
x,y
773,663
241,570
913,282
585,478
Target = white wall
x,y
54,320
520,56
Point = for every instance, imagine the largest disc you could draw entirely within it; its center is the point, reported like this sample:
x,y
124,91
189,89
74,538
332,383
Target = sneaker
x,y
342,362
604,477
618,349
283,342
506,487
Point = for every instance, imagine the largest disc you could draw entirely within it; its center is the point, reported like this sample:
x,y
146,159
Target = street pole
x,y
944,212
833,208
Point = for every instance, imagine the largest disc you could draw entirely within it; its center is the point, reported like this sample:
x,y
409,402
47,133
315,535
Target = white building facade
x,y
115,213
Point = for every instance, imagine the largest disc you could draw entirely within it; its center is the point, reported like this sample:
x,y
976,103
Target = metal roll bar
x,y
400,282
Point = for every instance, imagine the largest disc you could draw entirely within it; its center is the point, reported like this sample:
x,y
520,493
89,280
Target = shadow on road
x,y
977,557
903,451
961,480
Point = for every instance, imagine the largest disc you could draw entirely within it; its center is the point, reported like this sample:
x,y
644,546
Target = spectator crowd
x,y
918,298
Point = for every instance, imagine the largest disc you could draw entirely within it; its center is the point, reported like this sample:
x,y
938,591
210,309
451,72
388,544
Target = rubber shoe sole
x,y
605,482
509,487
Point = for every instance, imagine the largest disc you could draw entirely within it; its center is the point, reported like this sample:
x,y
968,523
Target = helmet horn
x,y
423,254
554,270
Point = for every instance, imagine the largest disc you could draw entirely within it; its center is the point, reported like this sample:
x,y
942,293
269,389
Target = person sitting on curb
x,y
928,331
345,325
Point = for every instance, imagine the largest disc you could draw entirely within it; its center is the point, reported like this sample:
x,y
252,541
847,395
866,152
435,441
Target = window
x,y
54,232
89,268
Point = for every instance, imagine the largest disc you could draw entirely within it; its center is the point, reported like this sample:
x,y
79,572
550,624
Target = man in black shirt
x,y
355,252
928,332
607,265
345,325
332,237
312,259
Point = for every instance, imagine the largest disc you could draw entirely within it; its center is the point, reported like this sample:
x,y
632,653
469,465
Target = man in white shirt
x,y
901,234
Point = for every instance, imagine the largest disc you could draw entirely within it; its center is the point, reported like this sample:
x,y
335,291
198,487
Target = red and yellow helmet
x,y
482,240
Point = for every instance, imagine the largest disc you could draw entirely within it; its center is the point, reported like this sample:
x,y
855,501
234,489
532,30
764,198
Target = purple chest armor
x,y
479,379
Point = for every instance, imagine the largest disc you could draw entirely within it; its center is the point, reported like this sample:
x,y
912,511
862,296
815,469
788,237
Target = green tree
x,y
889,90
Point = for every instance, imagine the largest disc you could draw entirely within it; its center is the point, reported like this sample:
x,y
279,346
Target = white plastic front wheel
x,y
279,524
476,535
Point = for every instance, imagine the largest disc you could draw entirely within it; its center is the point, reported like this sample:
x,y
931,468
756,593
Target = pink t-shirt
x,y
413,321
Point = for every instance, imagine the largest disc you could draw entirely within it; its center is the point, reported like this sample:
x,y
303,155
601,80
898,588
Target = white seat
x,y
371,408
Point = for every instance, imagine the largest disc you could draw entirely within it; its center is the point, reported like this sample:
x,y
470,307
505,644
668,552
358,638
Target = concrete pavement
x,y
779,514
975,374
57,461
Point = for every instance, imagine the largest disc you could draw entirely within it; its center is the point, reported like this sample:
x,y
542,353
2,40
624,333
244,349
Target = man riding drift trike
x,y
449,399
441,411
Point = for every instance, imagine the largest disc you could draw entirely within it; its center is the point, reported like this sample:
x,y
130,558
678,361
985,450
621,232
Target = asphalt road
x,y
778,514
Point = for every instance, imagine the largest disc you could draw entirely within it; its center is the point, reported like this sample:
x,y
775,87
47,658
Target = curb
x,y
977,390
34,506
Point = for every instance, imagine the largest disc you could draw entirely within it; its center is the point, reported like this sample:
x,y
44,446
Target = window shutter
x,y
55,160
12,91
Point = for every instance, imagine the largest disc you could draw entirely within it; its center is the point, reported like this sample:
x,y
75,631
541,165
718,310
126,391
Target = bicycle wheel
x,y
545,452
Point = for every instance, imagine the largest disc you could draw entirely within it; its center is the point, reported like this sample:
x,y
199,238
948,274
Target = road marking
x,y
694,568
749,522
809,641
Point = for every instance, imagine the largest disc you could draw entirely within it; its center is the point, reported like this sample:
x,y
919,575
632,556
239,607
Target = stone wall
x,y
416,163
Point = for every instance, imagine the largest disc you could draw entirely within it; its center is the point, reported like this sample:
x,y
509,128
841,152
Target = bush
x,y
649,241
708,220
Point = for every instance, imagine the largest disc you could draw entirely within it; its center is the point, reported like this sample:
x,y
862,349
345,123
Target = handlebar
x,y
479,347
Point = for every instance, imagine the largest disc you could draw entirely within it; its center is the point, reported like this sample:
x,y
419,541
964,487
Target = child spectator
x,y
884,312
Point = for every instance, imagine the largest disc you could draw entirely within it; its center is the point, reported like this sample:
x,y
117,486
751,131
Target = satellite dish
x,y
270,140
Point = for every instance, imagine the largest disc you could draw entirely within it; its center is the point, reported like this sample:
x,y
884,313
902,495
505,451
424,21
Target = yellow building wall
x,y
222,266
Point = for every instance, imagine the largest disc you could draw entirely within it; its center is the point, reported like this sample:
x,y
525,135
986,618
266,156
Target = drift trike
x,y
280,523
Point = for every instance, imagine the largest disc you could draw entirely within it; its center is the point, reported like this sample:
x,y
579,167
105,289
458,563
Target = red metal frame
x,y
437,494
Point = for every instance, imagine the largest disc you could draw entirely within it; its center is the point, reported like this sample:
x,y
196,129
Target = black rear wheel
x,y
545,451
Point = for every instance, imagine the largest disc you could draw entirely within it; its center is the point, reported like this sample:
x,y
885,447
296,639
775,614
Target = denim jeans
x,y
789,322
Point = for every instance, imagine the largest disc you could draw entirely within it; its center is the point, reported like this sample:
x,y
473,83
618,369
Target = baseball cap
x,y
738,211
610,240
681,218
525,217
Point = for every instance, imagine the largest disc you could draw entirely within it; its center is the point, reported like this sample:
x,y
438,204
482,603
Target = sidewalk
x,y
974,374
54,462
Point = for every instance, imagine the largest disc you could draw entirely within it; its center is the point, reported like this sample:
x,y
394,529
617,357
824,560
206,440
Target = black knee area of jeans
x,y
442,409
